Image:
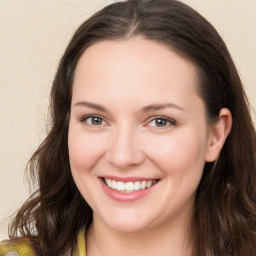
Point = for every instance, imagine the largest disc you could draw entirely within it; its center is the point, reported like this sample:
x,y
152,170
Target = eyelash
x,y
167,121
86,118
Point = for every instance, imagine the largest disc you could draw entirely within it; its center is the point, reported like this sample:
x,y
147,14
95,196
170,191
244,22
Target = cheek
x,y
84,149
179,153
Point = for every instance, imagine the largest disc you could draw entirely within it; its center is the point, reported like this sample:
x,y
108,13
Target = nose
x,y
124,151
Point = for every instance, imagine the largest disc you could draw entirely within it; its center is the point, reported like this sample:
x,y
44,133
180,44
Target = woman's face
x,y
138,136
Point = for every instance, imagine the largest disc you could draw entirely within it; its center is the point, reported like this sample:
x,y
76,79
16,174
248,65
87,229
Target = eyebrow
x,y
152,107
90,105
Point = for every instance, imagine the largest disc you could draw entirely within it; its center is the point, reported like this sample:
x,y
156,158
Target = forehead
x,y
135,48
132,65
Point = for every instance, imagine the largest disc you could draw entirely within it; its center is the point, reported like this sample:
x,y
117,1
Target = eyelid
x,y
85,117
171,121
168,119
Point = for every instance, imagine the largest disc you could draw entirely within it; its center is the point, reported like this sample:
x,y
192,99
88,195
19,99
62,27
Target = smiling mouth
x,y
129,187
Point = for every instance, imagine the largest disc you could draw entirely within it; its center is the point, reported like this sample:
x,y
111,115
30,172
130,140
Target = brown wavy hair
x,y
224,222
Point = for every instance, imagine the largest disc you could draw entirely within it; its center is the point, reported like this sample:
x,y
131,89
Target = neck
x,y
166,240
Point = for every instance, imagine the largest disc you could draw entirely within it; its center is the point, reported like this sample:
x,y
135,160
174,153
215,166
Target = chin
x,y
127,222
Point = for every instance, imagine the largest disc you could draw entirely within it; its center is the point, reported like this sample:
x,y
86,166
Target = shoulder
x,y
17,248
23,247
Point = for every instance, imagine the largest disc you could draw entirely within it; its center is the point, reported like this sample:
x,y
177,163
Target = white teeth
x,y
113,184
137,185
149,184
108,181
120,185
143,184
129,187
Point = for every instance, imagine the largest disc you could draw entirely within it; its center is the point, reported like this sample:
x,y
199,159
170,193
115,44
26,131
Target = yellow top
x,y
23,248
81,250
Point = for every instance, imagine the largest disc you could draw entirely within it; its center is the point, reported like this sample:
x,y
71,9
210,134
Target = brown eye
x,y
96,120
161,122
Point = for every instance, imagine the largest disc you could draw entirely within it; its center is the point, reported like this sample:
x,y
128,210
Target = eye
x,y
161,122
93,120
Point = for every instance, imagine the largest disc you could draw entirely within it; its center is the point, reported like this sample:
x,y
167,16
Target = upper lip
x,y
127,179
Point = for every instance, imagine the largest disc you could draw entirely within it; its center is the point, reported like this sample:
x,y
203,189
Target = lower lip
x,y
125,197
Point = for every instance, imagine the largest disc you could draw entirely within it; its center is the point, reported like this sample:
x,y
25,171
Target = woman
x,y
152,147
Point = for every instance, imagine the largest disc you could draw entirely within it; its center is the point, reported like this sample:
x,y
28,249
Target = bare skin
x,y
136,115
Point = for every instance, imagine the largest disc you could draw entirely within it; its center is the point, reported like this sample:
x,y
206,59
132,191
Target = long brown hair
x,y
224,220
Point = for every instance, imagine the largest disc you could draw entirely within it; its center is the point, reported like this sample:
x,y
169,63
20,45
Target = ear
x,y
218,134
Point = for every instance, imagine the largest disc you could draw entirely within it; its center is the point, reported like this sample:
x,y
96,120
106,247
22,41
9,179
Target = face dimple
x,y
136,116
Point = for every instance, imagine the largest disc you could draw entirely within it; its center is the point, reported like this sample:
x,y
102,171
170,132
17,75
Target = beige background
x,y
33,36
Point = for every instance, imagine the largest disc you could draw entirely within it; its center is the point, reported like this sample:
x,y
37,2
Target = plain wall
x,y
33,36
